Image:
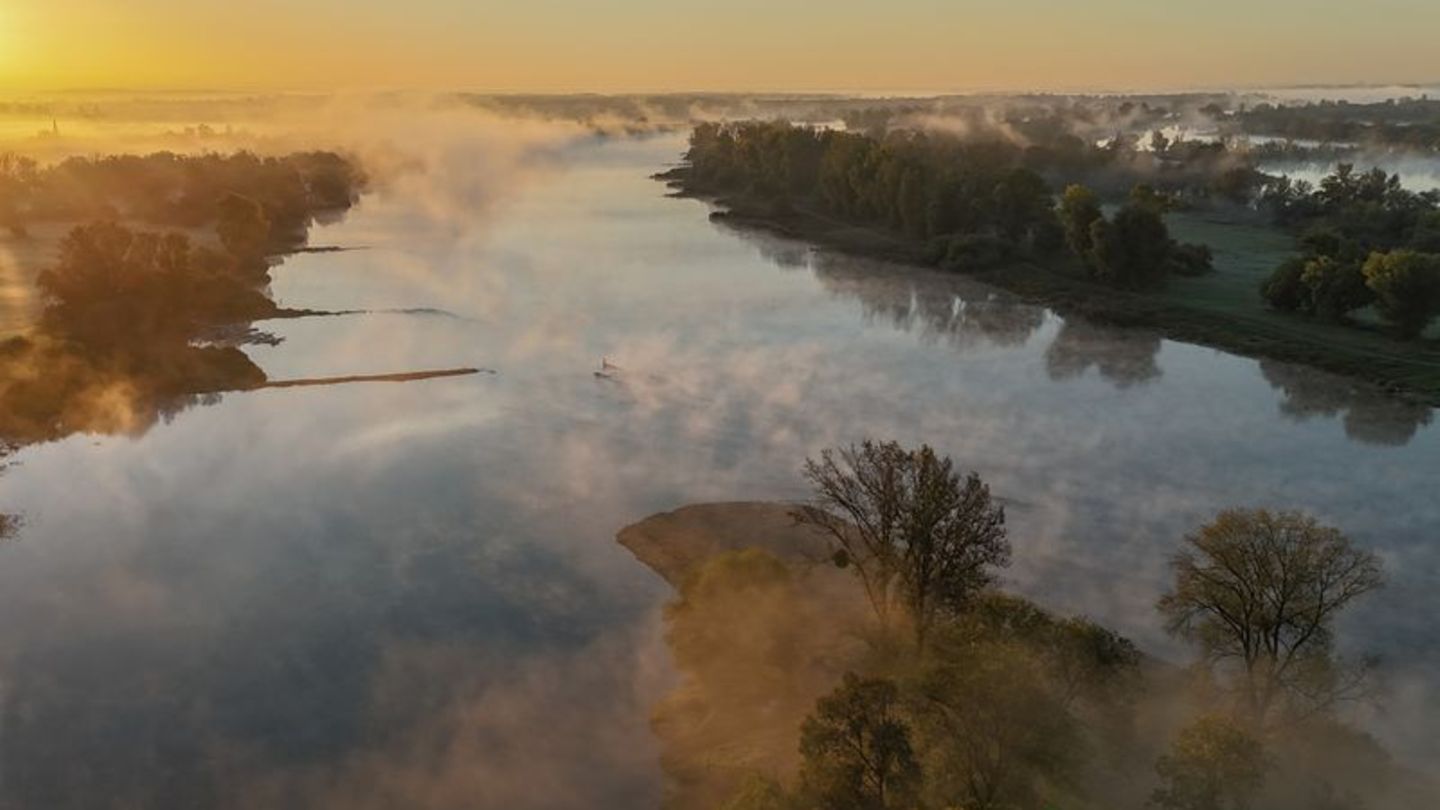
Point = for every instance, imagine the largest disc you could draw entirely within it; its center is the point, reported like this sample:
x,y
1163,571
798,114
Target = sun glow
x,y
12,57
7,43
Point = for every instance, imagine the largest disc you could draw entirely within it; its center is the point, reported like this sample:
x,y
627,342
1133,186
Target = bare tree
x,y
918,537
1260,591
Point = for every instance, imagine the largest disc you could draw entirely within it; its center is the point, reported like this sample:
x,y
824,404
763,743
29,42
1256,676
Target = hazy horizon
x,y
644,46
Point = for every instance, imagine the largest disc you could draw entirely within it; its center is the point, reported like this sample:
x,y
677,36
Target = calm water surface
x,y
410,595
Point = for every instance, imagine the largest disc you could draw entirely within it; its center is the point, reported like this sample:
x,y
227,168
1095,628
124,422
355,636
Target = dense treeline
x,y
1366,241
978,203
955,695
179,191
1407,123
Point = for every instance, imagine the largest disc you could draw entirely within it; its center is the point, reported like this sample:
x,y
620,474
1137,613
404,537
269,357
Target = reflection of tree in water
x,y
936,306
52,386
1370,415
116,349
1125,357
8,523
96,369
787,253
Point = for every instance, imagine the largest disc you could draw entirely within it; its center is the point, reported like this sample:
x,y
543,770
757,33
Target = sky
x,y
706,45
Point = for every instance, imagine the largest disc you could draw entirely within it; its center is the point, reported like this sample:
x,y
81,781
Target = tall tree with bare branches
x,y
920,538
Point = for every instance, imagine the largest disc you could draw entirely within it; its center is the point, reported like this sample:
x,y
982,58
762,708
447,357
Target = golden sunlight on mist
x,y
7,41
645,45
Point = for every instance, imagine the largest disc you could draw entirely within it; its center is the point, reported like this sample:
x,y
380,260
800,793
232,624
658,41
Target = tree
x,y
911,529
1131,251
1407,288
996,731
1023,205
1259,592
1145,196
856,749
1214,764
759,792
1426,235
1079,210
1285,290
243,227
1336,288
18,179
106,264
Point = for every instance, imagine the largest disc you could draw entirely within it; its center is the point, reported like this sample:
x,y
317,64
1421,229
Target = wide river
x,y
393,595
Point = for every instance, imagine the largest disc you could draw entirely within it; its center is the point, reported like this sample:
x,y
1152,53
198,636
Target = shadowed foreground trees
x,y
1003,705
919,538
1214,764
857,750
1259,592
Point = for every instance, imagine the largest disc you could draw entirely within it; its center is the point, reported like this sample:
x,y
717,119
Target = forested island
x,y
1352,276
853,652
164,262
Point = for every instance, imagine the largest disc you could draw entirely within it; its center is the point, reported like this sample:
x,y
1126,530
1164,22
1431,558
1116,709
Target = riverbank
x,y
1409,371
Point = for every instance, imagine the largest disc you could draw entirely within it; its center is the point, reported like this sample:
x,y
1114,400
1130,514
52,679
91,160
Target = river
x,y
410,594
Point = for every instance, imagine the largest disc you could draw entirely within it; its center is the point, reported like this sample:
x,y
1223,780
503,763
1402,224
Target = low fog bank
x,y
400,134
763,625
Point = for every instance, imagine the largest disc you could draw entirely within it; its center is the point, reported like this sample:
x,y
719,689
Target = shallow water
x,y
410,595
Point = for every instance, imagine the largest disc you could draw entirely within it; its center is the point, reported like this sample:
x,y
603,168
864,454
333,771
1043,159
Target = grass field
x,y
1245,254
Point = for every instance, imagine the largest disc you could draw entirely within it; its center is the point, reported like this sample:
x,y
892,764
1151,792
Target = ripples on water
x,y
410,595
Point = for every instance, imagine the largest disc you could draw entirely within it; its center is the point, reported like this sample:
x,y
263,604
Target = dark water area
x,y
409,594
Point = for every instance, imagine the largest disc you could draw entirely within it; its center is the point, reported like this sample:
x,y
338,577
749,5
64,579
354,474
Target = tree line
x,y
178,191
975,202
1411,123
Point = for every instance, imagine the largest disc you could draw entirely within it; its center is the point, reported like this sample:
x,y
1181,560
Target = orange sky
x,y
649,45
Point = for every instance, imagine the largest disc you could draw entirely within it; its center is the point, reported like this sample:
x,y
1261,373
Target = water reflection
x,y
1370,415
53,386
314,696
935,306
8,523
941,307
1124,357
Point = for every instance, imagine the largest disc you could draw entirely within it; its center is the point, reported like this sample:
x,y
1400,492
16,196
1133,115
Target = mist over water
x,y
410,595
1417,172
